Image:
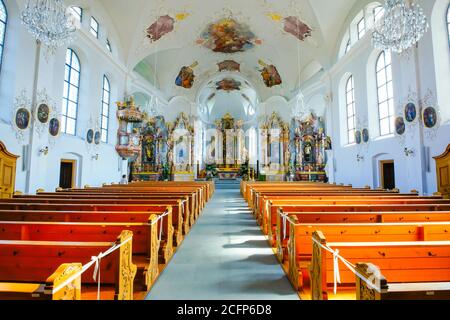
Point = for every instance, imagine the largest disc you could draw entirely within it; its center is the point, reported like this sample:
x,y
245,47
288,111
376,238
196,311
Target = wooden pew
x,y
88,206
165,247
146,243
390,290
411,261
27,269
295,252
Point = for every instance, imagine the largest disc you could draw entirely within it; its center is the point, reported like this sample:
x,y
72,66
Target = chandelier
x,y
49,22
401,26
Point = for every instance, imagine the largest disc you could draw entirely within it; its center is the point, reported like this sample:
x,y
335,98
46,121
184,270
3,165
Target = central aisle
x,y
224,257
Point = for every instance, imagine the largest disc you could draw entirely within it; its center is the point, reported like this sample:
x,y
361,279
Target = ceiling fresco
x,y
161,39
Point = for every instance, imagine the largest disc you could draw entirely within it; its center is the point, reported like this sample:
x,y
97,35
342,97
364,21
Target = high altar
x,y
231,148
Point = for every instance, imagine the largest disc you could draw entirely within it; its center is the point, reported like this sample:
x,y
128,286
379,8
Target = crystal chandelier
x,y
401,26
49,22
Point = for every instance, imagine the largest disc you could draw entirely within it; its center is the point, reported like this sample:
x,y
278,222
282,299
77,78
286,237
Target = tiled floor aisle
x,y
225,256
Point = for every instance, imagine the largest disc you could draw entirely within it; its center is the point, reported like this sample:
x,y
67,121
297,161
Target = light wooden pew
x,y
99,205
165,246
391,290
411,261
27,269
295,252
146,243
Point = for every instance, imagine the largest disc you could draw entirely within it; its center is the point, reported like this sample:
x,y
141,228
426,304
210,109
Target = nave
x,y
225,256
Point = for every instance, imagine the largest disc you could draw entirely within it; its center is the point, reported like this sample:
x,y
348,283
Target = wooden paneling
x,y
7,172
443,173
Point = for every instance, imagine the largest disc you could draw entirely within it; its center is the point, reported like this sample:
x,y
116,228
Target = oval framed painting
x,y
410,112
43,113
97,137
400,126
429,117
358,137
90,136
365,135
54,127
22,118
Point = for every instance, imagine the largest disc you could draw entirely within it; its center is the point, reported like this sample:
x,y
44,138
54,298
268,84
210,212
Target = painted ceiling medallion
x,y
228,85
228,36
297,28
186,76
292,25
229,65
270,75
161,27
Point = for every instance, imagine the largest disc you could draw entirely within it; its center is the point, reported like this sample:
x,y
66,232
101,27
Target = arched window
x,y
385,92
105,108
77,12
71,93
448,23
3,20
351,110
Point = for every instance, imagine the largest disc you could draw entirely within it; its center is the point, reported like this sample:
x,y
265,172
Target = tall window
x,y
448,22
94,27
377,13
105,108
77,12
385,89
3,19
71,93
351,110
108,45
361,26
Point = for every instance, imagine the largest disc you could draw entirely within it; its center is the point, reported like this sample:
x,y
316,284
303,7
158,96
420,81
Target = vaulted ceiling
x,y
270,33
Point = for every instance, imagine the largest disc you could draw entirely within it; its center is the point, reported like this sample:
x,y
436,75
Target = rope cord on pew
x,y
94,260
285,217
161,217
348,264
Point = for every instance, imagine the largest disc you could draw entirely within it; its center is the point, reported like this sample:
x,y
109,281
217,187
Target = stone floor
x,y
224,257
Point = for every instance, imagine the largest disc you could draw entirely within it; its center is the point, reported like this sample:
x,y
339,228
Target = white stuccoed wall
x,y
17,75
409,74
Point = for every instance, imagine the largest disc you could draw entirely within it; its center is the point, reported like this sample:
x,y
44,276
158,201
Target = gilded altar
x,y
308,147
181,149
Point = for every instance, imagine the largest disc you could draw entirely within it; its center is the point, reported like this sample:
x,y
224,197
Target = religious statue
x,y
149,149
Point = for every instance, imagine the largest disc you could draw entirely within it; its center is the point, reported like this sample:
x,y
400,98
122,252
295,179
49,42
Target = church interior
x,y
216,150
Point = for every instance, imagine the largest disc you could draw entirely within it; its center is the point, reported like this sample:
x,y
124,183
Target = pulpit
x,y
7,172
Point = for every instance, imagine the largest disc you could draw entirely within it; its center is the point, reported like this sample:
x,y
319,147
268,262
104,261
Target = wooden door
x,y
388,175
7,172
67,174
443,173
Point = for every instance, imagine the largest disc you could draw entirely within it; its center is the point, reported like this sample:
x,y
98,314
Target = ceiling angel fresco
x,y
228,85
229,65
163,25
186,76
270,75
228,36
293,25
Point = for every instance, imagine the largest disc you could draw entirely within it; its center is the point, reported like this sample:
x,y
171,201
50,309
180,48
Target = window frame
x,y
350,116
94,32
78,15
65,103
361,32
108,45
107,104
447,19
389,101
3,36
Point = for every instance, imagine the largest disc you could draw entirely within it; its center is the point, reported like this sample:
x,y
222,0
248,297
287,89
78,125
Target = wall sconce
x,y
95,157
409,152
359,158
43,151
